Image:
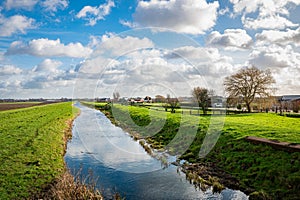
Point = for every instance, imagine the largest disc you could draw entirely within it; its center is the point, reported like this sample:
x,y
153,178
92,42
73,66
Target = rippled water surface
x,y
121,164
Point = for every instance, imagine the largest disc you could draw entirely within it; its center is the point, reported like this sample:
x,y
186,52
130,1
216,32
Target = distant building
x,y
132,101
148,99
185,99
290,102
217,102
103,100
288,98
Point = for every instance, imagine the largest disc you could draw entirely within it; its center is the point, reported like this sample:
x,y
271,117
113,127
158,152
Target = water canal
x,y
122,165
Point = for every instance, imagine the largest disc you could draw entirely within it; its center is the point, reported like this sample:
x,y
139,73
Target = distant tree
x,y
160,99
172,103
295,106
232,102
201,96
249,82
116,96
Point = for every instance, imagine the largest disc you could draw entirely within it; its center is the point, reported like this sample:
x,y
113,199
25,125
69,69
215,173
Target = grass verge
x,y
32,146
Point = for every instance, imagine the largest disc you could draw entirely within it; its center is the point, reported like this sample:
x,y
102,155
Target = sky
x,y
93,48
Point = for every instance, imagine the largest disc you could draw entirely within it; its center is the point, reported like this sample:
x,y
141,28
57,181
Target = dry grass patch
x,y
68,187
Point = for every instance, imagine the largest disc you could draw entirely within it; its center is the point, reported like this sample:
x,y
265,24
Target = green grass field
x,y
256,166
266,125
32,145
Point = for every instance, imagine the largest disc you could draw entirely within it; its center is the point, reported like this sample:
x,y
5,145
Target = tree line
x,y
247,84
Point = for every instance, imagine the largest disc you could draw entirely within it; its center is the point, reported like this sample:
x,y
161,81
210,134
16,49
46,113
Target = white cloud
x,y
231,38
110,47
288,81
189,16
54,5
94,41
8,86
224,11
46,80
128,23
9,70
48,65
248,6
20,4
208,61
47,83
141,69
276,57
271,13
2,56
94,14
10,79
265,7
15,24
268,22
197,53
47,75
46,47
118,45
87,9
129,76
280,37
153,71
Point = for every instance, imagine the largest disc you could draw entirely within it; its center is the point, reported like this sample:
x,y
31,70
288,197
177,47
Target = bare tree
x,y
295,106
249,82
201,96
172,103
116,96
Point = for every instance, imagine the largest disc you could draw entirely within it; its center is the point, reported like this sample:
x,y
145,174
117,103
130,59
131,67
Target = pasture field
x,y
266,125
32,145
21,102
259,168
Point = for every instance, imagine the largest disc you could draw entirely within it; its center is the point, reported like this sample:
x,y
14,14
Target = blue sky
x,y
71,48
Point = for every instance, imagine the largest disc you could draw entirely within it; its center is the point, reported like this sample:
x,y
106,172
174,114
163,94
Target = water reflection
x,y
109,144
123,166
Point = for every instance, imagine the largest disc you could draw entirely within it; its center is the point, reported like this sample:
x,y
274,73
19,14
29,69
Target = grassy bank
x,y
259,168
32,146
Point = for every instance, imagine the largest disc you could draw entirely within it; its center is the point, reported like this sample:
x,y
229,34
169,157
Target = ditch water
x,y
121,165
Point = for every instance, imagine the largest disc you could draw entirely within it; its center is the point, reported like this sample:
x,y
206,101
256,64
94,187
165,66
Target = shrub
x,y
293,115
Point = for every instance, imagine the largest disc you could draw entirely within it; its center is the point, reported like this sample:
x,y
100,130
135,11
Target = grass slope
x,y
32,145
269,171
266,125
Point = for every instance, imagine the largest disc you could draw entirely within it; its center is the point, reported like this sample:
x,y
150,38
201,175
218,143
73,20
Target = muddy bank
x,y
210,175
